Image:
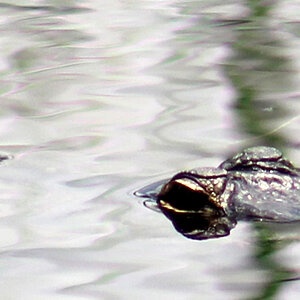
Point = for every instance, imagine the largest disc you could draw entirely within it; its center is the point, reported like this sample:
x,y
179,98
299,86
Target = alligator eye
x,y
178,197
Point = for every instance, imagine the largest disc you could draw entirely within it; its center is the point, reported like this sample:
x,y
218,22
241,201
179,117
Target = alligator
x,y
257,184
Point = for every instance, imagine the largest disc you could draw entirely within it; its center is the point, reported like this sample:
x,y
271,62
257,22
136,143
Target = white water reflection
x,y
99,99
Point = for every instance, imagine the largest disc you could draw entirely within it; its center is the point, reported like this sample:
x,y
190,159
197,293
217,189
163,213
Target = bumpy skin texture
x,y
257,184
267,188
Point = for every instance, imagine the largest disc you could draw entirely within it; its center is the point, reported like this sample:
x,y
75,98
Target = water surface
x,y
101,98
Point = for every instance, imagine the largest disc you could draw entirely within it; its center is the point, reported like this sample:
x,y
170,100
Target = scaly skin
x,y
257,184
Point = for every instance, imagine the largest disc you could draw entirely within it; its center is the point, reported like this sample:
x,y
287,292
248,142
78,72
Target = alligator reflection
x,y
258,184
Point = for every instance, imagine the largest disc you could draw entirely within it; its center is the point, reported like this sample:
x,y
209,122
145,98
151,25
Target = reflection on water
x,y
259,69
99,99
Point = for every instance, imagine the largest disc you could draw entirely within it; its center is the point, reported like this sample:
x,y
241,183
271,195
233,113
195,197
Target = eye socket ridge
x,y
202,174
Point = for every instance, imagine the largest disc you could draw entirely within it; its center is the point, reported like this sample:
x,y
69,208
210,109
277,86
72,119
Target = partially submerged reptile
x,y
257,184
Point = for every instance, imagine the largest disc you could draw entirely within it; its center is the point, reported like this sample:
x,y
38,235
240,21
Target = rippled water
x,y
99,98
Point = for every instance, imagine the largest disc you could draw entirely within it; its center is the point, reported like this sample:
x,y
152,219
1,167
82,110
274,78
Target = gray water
x,y
99,98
